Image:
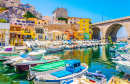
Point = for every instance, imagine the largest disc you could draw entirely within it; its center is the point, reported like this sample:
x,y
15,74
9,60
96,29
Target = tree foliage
x,y
3,21
60,18
28,15
2,9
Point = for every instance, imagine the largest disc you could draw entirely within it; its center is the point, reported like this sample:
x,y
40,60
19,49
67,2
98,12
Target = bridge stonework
x,y
111,27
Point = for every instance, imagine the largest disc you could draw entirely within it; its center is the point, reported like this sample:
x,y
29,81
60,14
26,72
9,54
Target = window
x,y
75,65
74,18
83,28
90,31
89,26
71,32
38,22
83,20
74,22
83,25
18,20
23,21
70,22
78,64
13,36
90,22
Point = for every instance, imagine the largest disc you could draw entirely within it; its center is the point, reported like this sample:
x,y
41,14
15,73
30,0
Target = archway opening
x,y
115,31
96,33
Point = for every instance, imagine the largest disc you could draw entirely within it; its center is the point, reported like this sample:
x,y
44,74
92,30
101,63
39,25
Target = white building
x,y
59,12
22,22
4,33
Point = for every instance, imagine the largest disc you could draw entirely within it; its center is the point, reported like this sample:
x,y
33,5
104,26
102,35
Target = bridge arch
x,y
112,32
96,33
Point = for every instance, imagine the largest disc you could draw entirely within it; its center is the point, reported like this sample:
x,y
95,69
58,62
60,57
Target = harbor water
x,y
97,58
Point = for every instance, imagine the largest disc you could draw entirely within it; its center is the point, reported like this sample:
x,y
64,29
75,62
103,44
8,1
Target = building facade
x,y
86,26
73,20
9,3
4,34
79,35
60,12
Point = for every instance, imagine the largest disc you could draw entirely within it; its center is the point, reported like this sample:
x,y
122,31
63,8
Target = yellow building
x,y
86,26
39,32
57,35
79,35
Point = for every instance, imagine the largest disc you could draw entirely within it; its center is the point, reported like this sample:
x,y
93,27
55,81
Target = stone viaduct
x,y
110,28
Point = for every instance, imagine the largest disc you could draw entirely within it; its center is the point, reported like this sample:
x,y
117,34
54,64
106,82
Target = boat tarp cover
x,y
49,66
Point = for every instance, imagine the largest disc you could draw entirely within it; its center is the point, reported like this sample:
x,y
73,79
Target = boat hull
x,y
42,82
25,67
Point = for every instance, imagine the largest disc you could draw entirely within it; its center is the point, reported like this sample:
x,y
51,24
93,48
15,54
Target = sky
x,y
86,9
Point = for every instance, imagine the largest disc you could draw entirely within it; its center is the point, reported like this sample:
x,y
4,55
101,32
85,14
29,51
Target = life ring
x,y
31,77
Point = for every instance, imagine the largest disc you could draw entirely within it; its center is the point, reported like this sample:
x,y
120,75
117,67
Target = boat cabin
x,y
73,66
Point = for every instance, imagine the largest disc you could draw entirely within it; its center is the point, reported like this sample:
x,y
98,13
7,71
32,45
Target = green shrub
x,y
3,21
60,18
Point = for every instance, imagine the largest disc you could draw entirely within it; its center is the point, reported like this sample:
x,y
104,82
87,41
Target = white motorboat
x,y
10,51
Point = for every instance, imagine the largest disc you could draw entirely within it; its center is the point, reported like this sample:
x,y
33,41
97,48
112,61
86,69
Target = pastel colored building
x,y
15,31
16,38
49,36
86,26
73,20
79,35
16,21
47,18
51,21
27,32
68,35
39,32
57,35
18,33
59,12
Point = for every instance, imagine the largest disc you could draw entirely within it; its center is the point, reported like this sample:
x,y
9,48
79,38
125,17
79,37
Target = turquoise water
x,y
97,58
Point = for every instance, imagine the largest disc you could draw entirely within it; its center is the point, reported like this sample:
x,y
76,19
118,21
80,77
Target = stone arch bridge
x,y
110,28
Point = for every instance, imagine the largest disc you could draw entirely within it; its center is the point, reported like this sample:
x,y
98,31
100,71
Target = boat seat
x,y
65,73
60,74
